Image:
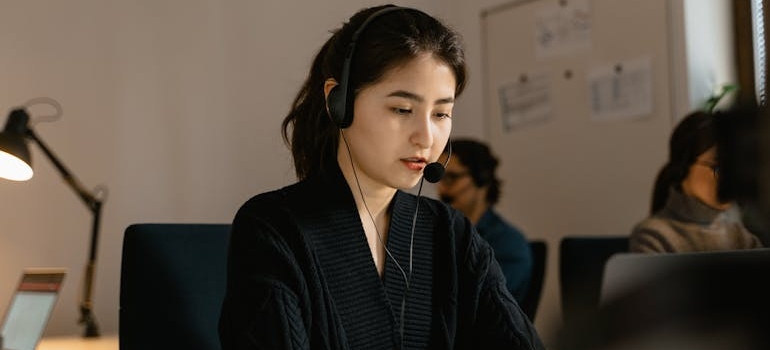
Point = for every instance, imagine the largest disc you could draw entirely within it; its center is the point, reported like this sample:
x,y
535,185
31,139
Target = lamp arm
x,y
86,196
94,204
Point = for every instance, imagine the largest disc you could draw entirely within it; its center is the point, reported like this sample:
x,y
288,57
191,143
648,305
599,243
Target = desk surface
x,y
105,342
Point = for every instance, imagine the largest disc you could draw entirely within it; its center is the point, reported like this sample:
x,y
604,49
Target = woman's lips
x,y
416,164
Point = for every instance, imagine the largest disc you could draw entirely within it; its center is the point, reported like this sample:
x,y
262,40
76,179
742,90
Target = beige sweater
x,y
685,224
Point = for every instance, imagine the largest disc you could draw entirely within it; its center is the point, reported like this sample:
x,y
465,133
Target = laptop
x,y
30,309
625,272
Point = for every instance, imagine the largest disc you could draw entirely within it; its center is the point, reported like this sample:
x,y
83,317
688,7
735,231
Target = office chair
x,y
531,299
172,284
581,267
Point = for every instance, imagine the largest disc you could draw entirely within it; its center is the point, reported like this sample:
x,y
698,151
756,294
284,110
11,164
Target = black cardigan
x,y
301,276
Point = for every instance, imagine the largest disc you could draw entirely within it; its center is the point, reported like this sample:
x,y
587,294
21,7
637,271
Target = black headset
x,y
340,99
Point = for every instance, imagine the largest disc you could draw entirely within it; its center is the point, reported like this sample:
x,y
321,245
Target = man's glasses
x,y
451,177
711,164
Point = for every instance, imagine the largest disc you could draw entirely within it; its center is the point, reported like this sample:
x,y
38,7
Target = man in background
x,y
471,186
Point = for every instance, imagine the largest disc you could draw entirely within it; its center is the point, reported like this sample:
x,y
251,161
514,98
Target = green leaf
x,y
712,101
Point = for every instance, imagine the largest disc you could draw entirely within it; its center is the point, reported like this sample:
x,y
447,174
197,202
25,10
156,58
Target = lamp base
x,y
87,318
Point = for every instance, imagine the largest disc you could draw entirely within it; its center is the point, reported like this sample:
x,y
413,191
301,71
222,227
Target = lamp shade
x,y
15,159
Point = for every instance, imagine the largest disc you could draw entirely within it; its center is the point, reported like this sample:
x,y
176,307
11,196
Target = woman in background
x,y
686,213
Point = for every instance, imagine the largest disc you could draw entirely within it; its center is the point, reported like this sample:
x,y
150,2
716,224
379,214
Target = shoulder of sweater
x,y
268,199
270,204
656,234
653,225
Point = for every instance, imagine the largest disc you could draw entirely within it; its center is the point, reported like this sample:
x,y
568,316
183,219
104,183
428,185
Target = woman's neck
x,y
367,193
373,203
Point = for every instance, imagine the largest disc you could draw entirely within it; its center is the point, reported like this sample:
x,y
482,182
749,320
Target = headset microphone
x,y
433,172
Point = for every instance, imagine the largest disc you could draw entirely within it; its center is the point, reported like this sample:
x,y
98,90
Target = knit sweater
x,y
301,276
685,224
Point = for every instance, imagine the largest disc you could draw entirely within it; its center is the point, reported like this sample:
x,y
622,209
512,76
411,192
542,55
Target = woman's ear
x,y
329,84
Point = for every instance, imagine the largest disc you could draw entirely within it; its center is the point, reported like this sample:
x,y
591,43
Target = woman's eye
x,y
443,115
403,111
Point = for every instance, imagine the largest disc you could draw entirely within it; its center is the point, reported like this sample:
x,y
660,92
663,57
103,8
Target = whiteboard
x,y
568,168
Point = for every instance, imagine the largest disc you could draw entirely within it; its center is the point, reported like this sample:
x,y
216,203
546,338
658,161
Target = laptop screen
x,y
31,307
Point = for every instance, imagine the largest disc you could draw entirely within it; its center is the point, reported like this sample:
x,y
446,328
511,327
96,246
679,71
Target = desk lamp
x,y
15,164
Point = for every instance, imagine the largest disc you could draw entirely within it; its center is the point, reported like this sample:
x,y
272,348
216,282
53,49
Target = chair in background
x,y
531,298
172,283
581,268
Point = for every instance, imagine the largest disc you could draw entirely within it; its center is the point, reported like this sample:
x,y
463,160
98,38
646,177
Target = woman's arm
x,y
490,317
262,309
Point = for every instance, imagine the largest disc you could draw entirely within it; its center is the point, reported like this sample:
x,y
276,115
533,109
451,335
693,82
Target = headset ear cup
x,y
335,103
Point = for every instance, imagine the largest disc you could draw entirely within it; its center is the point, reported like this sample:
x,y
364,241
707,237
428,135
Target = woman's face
x,y
701,180
401,124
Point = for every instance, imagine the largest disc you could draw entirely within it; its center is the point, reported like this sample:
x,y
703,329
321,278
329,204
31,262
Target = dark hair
x,y
694,134
739,135
390,40
481,164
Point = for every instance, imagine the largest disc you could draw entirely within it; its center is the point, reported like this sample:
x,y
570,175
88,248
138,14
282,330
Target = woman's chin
x,y
408,184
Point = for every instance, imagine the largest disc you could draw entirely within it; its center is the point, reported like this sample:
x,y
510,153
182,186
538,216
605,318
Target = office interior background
x,y
175,107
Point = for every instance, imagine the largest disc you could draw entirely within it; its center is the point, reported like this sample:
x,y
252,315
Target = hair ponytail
x,y
661,188
313,139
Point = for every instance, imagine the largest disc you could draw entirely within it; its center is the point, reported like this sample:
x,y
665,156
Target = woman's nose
x,y
422,133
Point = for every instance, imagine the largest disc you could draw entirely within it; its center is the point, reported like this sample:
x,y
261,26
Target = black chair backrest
x,y
581,267
531,298
172,284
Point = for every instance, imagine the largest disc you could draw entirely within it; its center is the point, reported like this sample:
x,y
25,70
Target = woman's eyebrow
x,y
418,98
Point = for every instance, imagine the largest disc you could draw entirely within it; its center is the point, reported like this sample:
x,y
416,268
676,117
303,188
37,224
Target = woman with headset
x,y
344,258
